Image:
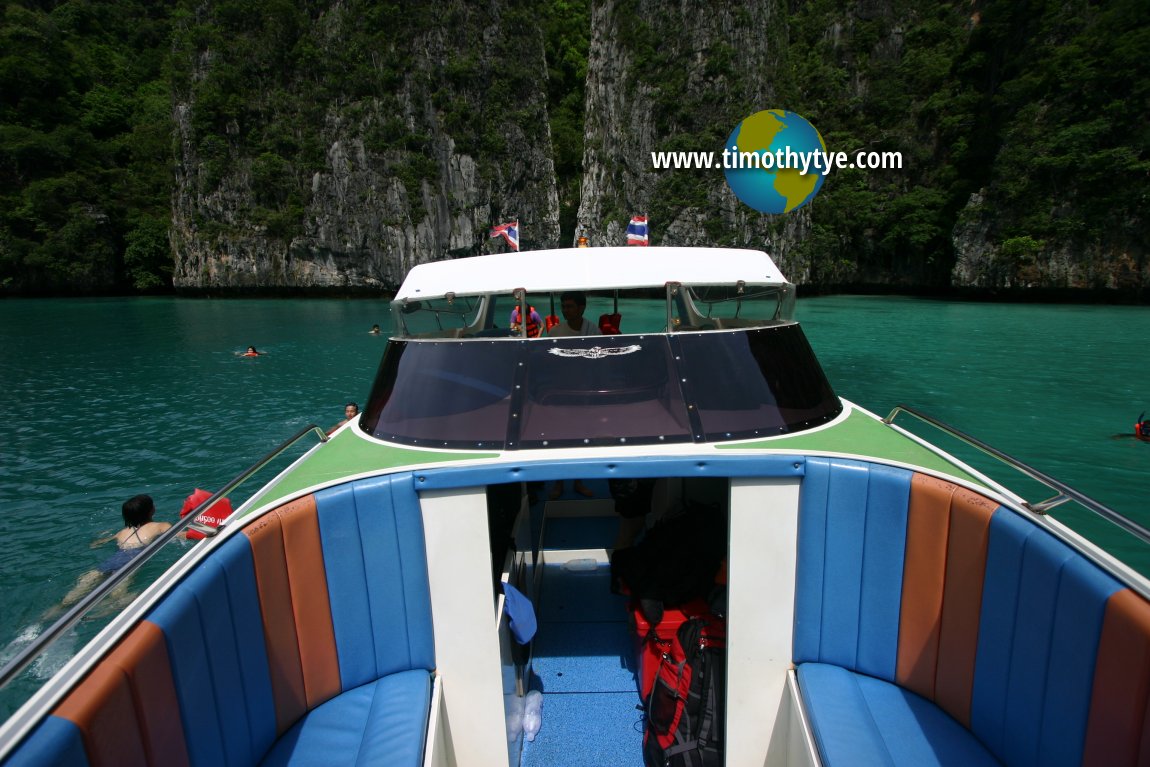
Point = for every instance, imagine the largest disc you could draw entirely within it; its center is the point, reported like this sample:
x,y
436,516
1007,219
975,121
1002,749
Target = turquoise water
x,y
106,398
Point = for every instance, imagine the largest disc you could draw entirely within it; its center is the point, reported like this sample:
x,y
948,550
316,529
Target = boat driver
x,y
573,303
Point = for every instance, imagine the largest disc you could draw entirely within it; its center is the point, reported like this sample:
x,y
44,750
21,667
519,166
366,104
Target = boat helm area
x,y
671,308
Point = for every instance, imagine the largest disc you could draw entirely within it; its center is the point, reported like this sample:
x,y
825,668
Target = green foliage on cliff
x,y
1038,107
1067,109
85,146
567,38
883,80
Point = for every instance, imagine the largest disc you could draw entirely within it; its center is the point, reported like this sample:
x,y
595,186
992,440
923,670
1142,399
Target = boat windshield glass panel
x,y
599,390
719,307
662,309
780,387
436,317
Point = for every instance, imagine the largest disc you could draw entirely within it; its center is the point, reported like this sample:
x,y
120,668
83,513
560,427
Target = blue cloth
x,y
118,560
520,614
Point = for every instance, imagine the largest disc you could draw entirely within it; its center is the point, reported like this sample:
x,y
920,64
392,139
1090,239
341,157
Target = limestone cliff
x,y
335,144
677,76
380,138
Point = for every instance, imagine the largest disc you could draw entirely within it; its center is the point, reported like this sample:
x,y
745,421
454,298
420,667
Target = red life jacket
x,y
533,327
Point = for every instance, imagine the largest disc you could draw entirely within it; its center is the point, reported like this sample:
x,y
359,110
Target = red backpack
x,y
685,710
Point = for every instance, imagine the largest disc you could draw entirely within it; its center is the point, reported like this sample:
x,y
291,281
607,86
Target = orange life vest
x,y
533,327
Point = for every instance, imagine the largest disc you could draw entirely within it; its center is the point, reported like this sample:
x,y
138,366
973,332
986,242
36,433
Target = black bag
x,y
676,561
686,707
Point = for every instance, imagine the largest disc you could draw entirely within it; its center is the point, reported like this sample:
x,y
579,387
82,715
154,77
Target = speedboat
x,y
424,587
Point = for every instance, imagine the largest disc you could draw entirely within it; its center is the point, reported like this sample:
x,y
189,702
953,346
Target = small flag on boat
x,y
509,232
637,231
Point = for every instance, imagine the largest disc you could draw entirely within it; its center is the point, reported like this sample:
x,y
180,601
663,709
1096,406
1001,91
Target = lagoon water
x,y
105,398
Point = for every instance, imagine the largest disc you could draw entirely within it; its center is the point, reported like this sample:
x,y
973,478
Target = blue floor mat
x,y
583,660
587,730
579,596
585,657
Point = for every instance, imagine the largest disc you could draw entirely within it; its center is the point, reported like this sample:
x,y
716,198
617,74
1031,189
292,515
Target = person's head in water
x,y
350,410
138,510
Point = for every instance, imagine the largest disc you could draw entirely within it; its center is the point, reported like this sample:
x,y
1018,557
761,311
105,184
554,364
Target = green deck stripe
x,y
347,454
865,437
859,435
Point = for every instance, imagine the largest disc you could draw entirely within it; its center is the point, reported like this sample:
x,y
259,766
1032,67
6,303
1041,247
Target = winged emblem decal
x,y
595,352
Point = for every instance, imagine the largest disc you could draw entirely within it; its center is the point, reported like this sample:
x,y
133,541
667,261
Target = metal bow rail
x,y
81,608
1064,492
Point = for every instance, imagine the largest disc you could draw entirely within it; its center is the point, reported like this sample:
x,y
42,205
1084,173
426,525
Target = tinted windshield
x,y
599,390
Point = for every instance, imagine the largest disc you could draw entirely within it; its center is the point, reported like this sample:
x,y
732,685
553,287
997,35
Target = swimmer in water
x,y
251,352
139,530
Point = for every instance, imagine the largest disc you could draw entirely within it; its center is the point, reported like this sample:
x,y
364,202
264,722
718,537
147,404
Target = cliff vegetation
x,y
273,145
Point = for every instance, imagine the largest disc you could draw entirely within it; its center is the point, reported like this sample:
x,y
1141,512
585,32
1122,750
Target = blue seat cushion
x,y
860,720
382,722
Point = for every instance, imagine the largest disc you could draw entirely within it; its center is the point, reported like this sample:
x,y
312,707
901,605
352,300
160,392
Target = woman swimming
x,y
139,530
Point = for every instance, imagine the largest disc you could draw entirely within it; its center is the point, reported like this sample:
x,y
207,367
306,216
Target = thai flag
x,y
637,231
509,232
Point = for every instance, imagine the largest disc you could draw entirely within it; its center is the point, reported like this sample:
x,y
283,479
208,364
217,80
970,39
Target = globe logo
x,y
772,181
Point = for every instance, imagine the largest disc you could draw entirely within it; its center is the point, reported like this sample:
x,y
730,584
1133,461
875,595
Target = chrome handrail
x,y
81,608
1065,492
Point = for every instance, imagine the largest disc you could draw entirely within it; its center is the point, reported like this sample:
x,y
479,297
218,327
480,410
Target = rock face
x,y
651,87
985,261
334,146
377,182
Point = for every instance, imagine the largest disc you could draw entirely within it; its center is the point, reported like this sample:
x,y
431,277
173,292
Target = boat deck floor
x,y
584,659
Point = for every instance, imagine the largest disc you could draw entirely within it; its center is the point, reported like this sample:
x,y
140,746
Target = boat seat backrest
x,y
315,598
923,583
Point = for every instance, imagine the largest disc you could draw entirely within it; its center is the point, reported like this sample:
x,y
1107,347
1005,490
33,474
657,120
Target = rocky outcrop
x,y
409,175
986,260
651,87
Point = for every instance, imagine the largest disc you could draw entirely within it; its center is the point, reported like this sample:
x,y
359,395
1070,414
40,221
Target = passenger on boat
x,y
573,304
534,322
139,530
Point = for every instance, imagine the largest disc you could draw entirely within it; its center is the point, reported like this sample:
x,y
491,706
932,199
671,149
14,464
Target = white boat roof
x,y
589,269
